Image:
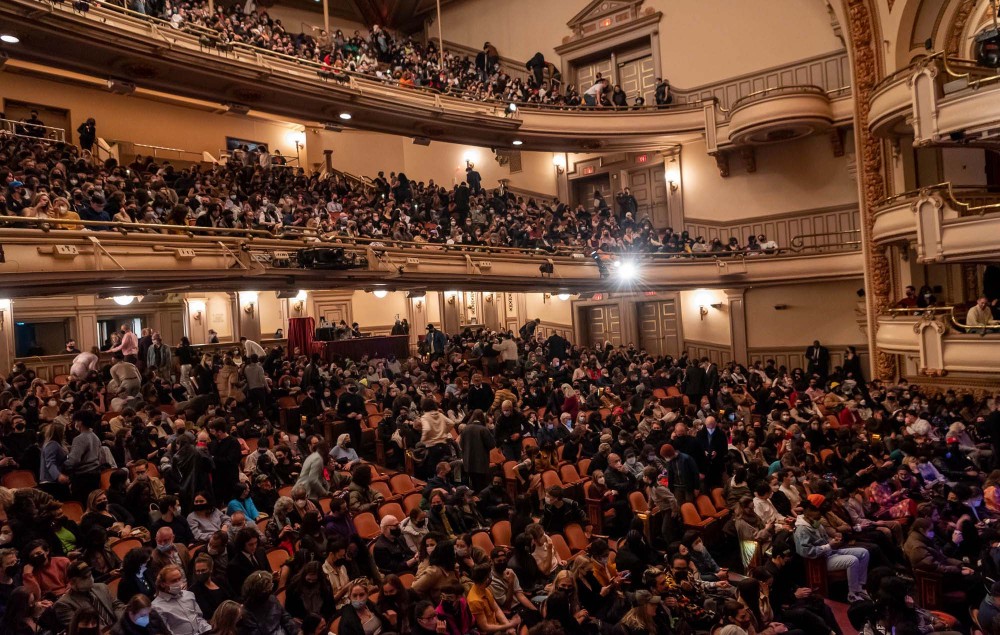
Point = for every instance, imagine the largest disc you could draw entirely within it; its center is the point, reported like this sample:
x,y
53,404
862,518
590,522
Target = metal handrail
x,y
946,188
10,126
798,242
932,311
927,310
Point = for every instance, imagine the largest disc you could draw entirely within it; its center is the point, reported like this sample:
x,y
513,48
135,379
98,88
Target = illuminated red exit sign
x,y
641,158
588,170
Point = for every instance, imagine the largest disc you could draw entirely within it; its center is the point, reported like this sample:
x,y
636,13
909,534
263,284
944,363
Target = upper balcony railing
x,y
945,222
41,258
92,42
939,99
938,341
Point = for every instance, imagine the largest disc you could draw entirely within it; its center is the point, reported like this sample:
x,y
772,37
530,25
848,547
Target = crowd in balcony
x,y
496,481
60,182
394,59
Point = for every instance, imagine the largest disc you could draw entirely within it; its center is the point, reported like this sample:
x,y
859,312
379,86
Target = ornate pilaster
x,y
865,45
958,23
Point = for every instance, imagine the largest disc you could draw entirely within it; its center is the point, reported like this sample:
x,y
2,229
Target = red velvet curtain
x,y
300,335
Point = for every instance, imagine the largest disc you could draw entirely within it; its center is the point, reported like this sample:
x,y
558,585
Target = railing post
x,y
928,212
924,93
711,134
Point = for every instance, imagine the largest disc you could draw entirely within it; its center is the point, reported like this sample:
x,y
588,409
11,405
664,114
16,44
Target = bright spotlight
x,y
627,271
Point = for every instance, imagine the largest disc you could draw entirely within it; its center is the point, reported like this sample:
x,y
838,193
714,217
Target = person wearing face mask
x,y
476,442
344,453
361,616
414,528
351,408
171,516
139,619
176,606
84,593
392,555
244,504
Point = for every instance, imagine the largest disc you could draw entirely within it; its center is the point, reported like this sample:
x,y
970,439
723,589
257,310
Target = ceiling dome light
x,y
124,300
346,116
7,38
380,293
563,296
517,142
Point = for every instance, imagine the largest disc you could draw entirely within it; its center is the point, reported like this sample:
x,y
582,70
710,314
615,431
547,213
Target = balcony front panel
x,y
944,224
938,346
891,105
57,261
780,114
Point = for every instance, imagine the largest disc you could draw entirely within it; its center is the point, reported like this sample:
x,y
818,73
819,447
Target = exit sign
x,y
588,170
642,158
597,296
606,22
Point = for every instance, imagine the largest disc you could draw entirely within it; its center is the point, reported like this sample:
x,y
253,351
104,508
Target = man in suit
x,y
818,360
84,593
715,446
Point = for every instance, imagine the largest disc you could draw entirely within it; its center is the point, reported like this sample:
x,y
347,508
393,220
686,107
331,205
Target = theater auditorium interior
x,y
515,317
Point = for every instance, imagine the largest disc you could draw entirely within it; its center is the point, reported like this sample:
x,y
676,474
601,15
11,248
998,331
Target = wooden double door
x,y
649,188
604,324
659,330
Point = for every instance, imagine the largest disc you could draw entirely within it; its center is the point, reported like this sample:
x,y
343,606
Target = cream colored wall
x,y
369,311
700,42
141,120
272,313
294,17
824,311
365,153
714,329
797,175
551,311
218,310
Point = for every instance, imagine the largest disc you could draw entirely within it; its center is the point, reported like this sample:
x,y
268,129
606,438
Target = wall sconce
x,y
249,302
248,308
197,309
452,297
703,310
546,297
489,298
673,175
299,301
418,305
559,161
4,307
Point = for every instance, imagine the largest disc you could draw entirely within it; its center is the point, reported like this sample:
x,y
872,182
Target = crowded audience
x,y
59,182
563,489
394,59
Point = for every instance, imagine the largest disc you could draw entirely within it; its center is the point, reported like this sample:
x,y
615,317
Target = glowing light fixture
x,y
517,142
124,300
380,293
346,116
563,296
627,271
7,38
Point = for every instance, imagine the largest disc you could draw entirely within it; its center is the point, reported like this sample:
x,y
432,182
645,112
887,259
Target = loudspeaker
x,y
121,87
421,141
237,109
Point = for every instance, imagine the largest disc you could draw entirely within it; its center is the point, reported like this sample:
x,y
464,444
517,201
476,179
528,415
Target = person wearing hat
x,y
682,474
812,541
436,342
84,593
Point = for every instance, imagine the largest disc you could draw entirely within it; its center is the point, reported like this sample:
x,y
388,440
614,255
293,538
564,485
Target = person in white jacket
x,y
508,352
435,426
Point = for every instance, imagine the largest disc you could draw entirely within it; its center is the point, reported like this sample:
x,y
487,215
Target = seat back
x,y
285,491
73,510
583,466
366,526
497,457
719,498
638,503
402,484
391,509
690,515
382,488
482,540
550,479
20,478
562,549
123,546
568,474
276,558
500,531
412,501
113,585
280,596
575,537
704,506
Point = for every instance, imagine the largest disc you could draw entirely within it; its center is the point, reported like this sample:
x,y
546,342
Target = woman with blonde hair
x,y
571,401
225,618
41,207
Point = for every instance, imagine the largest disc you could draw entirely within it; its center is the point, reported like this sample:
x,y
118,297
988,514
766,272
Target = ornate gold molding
x,y
866,42
958,23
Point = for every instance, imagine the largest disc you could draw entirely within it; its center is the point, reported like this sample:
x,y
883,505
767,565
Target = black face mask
x,y
38,560
101,506
12,570
200,507
396,532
